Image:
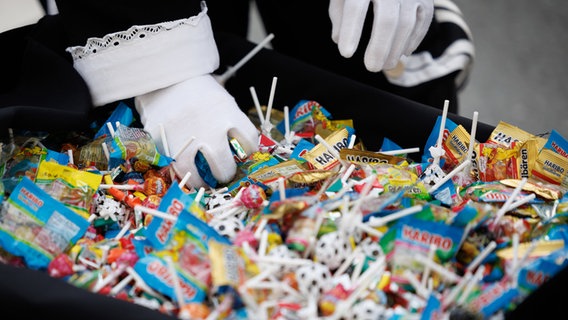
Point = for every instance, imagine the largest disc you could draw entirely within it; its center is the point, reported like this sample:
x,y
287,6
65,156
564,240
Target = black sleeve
x,y
39,88
95,18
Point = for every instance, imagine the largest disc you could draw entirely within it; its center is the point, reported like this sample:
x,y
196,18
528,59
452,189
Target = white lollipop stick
x,y
267,124
70,155
514,274
229,213
439,269
156,213
267,272
347,173
105,186
400,151
175,279
180,151
343,267
232,70
220,190
466,231
116,289
140,283
11,135
263,243
288,135
482,255
377,222
313,236
355,210
471,284
105,151
436,159
123,231
449,299
369,230
284,261
323,188
110,129
184,180
327,146
472,135
199,194
522,201
346,187
165,144
515,261
221,208
426,272
374,271
257,106
261,224
420,289
109,278
506,206
281,189
359,261
277,287
89,263
452,173
352,141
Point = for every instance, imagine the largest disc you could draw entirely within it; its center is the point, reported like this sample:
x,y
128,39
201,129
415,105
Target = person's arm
x,y
162,54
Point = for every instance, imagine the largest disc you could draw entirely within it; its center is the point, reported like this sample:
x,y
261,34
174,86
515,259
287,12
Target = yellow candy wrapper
x,y
322,158
73,187
229,265
505,134
368,157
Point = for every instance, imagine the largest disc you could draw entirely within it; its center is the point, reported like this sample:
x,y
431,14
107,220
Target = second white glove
x,y
398,28
198,107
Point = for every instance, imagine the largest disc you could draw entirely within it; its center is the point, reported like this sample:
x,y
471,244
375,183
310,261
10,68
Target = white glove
x,y
398,28
198,107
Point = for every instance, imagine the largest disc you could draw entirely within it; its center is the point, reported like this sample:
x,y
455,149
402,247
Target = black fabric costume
x,y
302,30
30,95
39,89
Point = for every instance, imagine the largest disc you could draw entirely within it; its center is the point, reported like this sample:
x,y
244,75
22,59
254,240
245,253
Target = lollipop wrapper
x,y
37,227
74,188
552,161
156,274
414,236
130,142
23,163
493,298
121,114
542,269
433,309
301,116
321,158
433,137
174,202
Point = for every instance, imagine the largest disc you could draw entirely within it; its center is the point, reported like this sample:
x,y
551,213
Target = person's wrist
x,y
146,58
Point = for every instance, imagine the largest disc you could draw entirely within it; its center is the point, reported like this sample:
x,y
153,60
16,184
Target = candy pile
x,y
313,226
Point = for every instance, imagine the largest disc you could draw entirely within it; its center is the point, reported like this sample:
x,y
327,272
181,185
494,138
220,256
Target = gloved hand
x,y
398,28
198,107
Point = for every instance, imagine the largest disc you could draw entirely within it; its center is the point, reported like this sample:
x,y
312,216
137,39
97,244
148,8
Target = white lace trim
x,y
113,40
